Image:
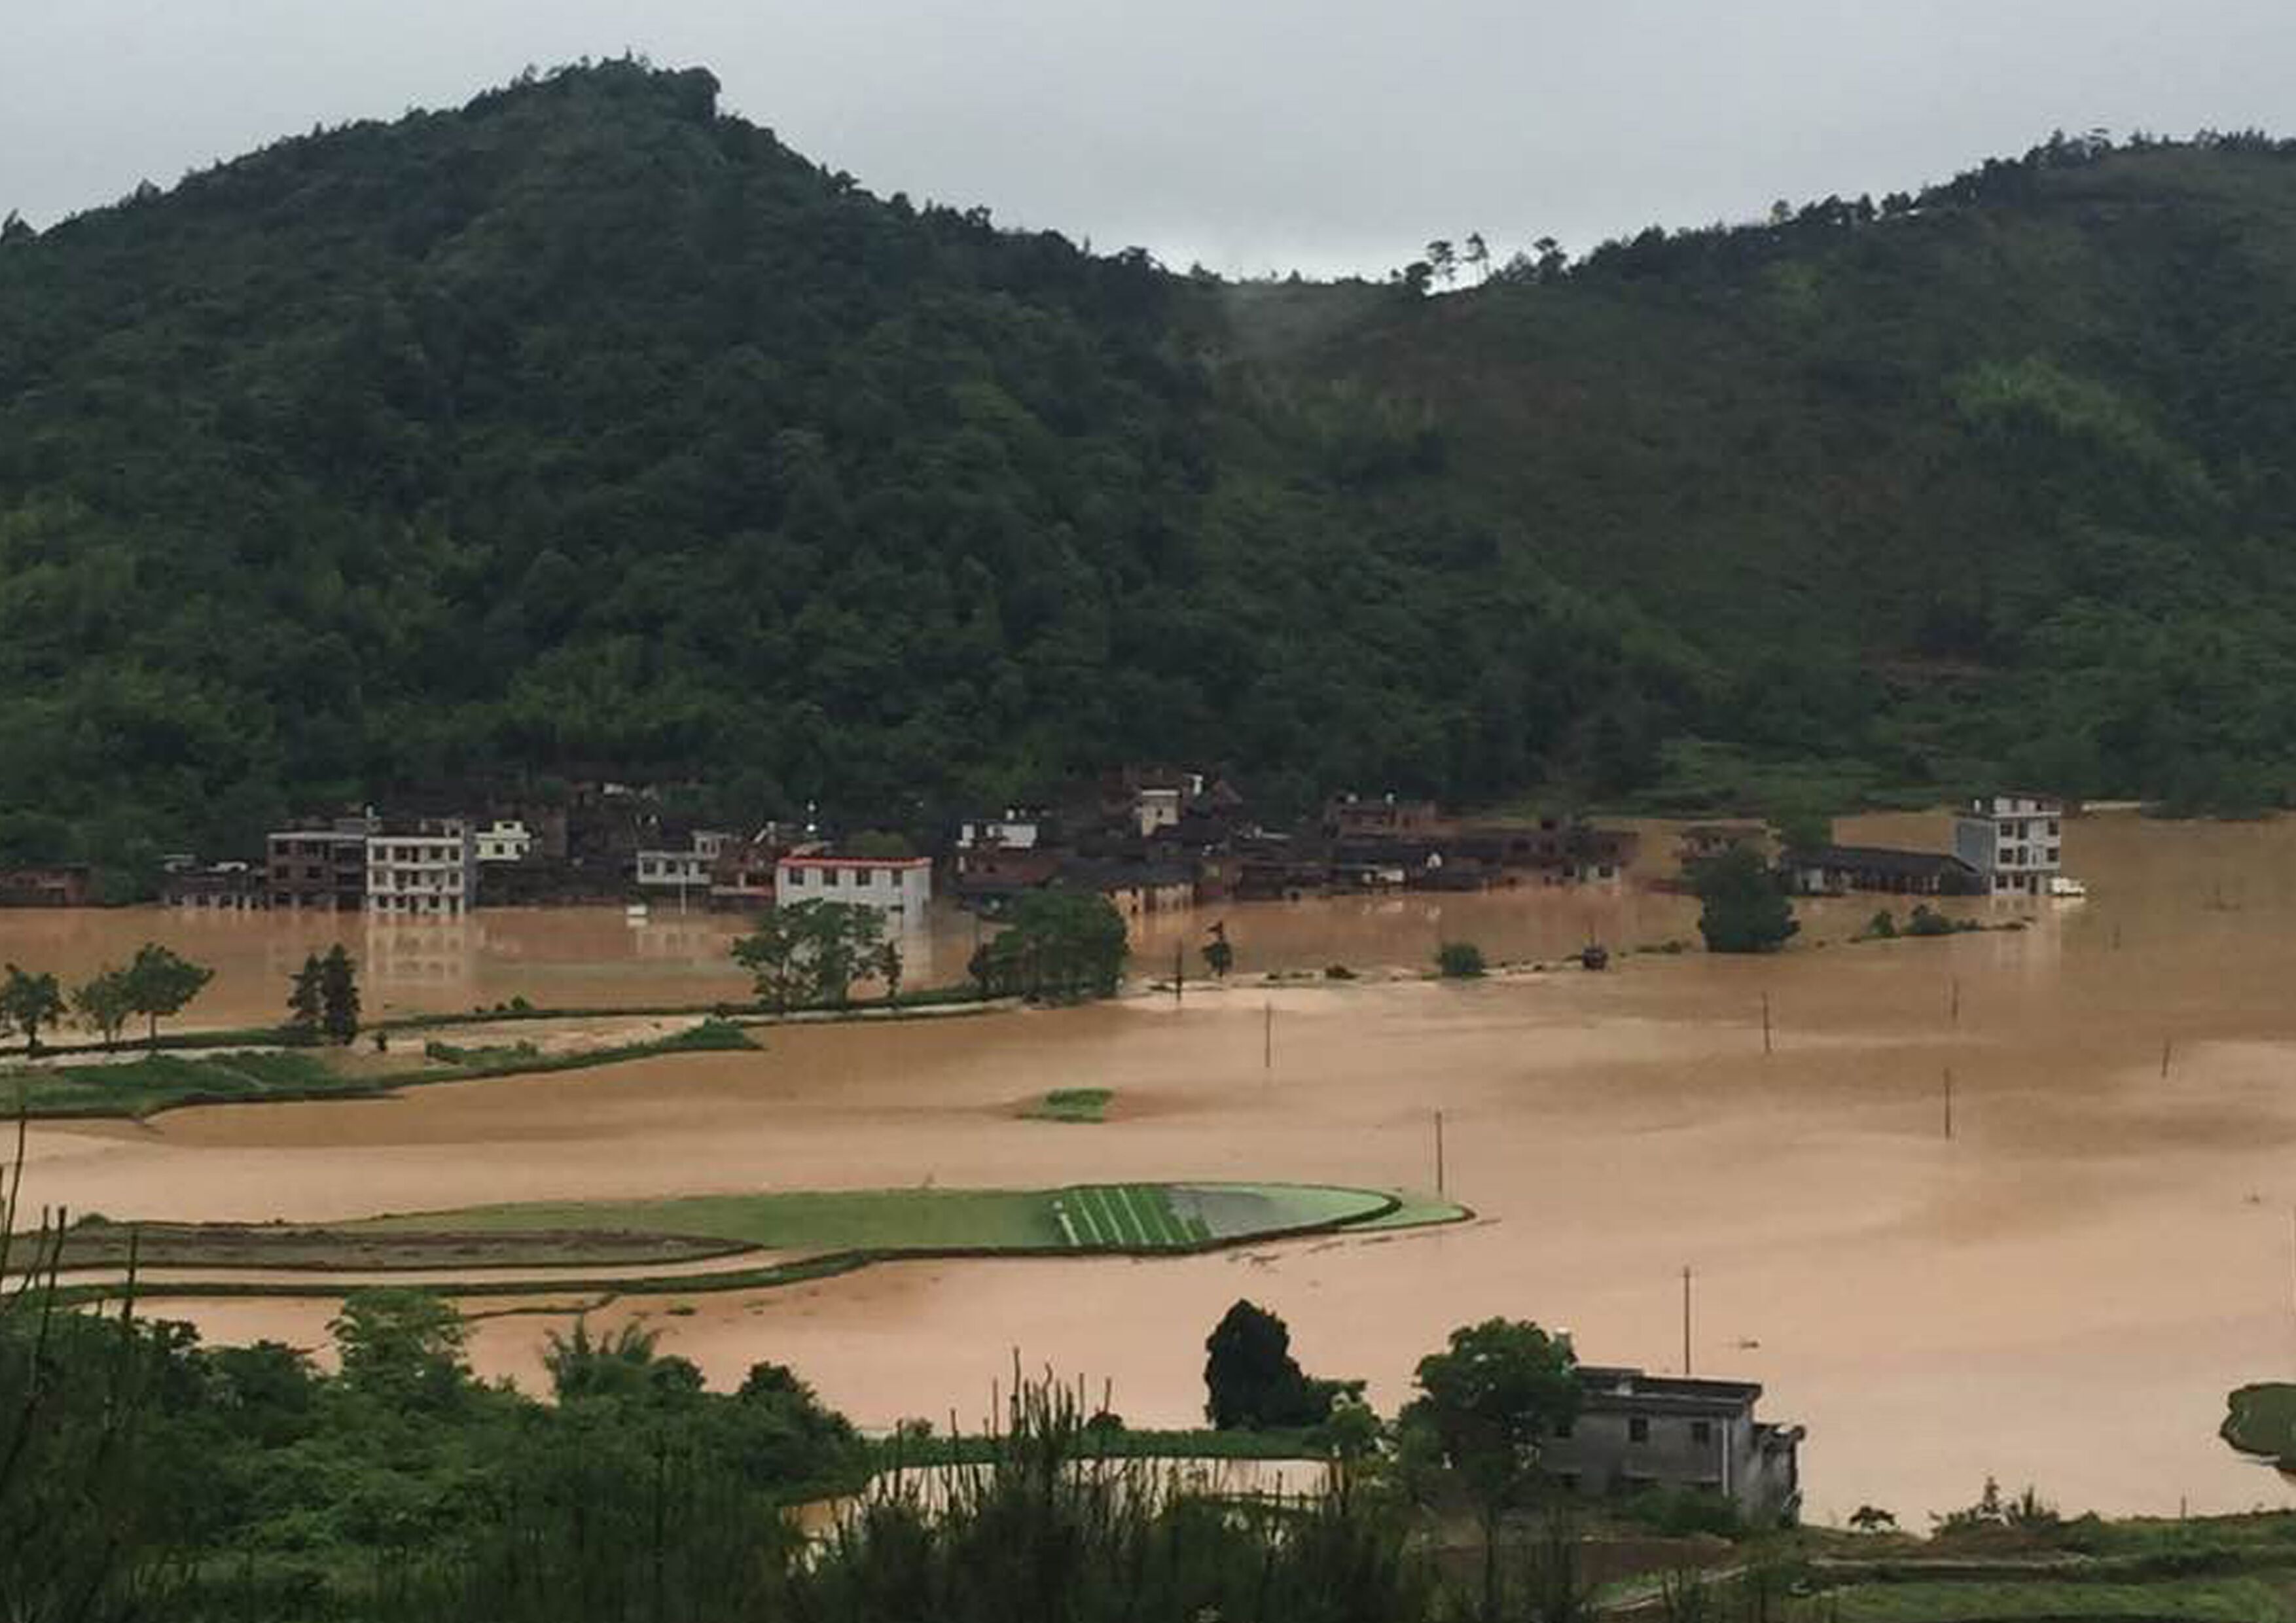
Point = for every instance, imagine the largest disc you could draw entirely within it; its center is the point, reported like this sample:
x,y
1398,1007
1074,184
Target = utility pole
x,y
2164,1059
1949,1104
1179,970
1267,1040
1765,1022
1686,1321
1438,1152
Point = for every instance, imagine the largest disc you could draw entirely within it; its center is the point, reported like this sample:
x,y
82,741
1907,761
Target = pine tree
x,y
339,995
307,1004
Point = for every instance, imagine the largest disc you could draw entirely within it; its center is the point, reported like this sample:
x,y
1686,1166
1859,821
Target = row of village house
x,y
1148,840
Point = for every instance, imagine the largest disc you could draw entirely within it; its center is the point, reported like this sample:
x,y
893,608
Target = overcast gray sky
x,y
1253,135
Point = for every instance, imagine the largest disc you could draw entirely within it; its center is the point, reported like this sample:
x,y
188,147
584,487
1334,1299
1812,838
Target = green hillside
x,y
587,430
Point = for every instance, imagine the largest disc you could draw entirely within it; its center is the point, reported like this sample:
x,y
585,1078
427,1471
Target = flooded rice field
x,y
2061,1292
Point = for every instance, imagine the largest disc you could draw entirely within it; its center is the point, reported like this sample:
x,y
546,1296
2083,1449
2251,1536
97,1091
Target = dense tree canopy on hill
x,y
588,430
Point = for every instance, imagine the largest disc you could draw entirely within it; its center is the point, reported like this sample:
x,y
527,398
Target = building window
x,y
1570,1481
1637,1429
1701,1431
1563,1427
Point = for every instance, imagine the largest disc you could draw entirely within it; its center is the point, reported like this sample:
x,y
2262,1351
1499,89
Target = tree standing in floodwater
x,y
1742,910
339,995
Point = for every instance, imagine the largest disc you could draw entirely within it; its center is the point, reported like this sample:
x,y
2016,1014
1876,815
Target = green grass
x,y
1087,1217
157,1082
836,1230
1071,1104
875,1219
1127,1217
1413,1210
2234,1599
161,1081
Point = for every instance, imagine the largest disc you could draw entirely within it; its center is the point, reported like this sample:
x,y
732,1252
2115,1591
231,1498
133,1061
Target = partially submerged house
x,y
1636,1431
59,884
1132,887
898,887
1704,841
1836,870
2014,842
221,887
423,868
319,865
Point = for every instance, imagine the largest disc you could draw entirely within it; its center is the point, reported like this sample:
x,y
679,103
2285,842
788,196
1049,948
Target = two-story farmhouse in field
x,y
1638,1431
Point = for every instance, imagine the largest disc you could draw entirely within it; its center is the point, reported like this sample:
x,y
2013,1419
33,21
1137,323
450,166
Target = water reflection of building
x,y
672,939
419,953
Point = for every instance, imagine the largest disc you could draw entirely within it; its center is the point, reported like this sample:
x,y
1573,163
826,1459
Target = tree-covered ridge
x,y
1992,478
585,430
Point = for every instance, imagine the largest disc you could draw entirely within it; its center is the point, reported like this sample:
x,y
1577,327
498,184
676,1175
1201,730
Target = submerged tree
x,y
1055,944
306,1000
339,995
1743,910
813,952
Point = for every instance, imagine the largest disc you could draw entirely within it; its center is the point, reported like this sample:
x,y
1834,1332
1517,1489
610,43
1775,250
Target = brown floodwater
x,y
2062,1293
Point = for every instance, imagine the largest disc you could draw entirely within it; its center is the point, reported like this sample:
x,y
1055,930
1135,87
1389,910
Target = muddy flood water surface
x,y
2061,1292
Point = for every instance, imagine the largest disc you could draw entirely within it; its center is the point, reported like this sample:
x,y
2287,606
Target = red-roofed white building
x,y
899,887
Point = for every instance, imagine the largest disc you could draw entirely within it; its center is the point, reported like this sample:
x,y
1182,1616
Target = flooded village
x,y
2013,1200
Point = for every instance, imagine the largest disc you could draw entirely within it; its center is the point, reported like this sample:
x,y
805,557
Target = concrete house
x,y
320,865
2015,841
681,870
425,868
1350,816
1021,828
506,839
1132,887
222,887
898,887
1636,1431
52,885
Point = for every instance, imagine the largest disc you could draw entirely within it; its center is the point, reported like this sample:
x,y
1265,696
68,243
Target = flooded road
x,y
2061,1292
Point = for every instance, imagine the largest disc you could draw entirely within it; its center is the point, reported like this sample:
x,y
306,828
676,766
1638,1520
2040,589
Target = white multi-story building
x,y
428,869
2015,841
899,887
683,869
1019,829
506,839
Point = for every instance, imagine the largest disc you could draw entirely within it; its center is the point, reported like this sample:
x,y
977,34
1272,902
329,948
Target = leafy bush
x,y
1459,961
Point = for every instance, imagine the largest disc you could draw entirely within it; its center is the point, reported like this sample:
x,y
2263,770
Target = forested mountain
x,y
587,430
